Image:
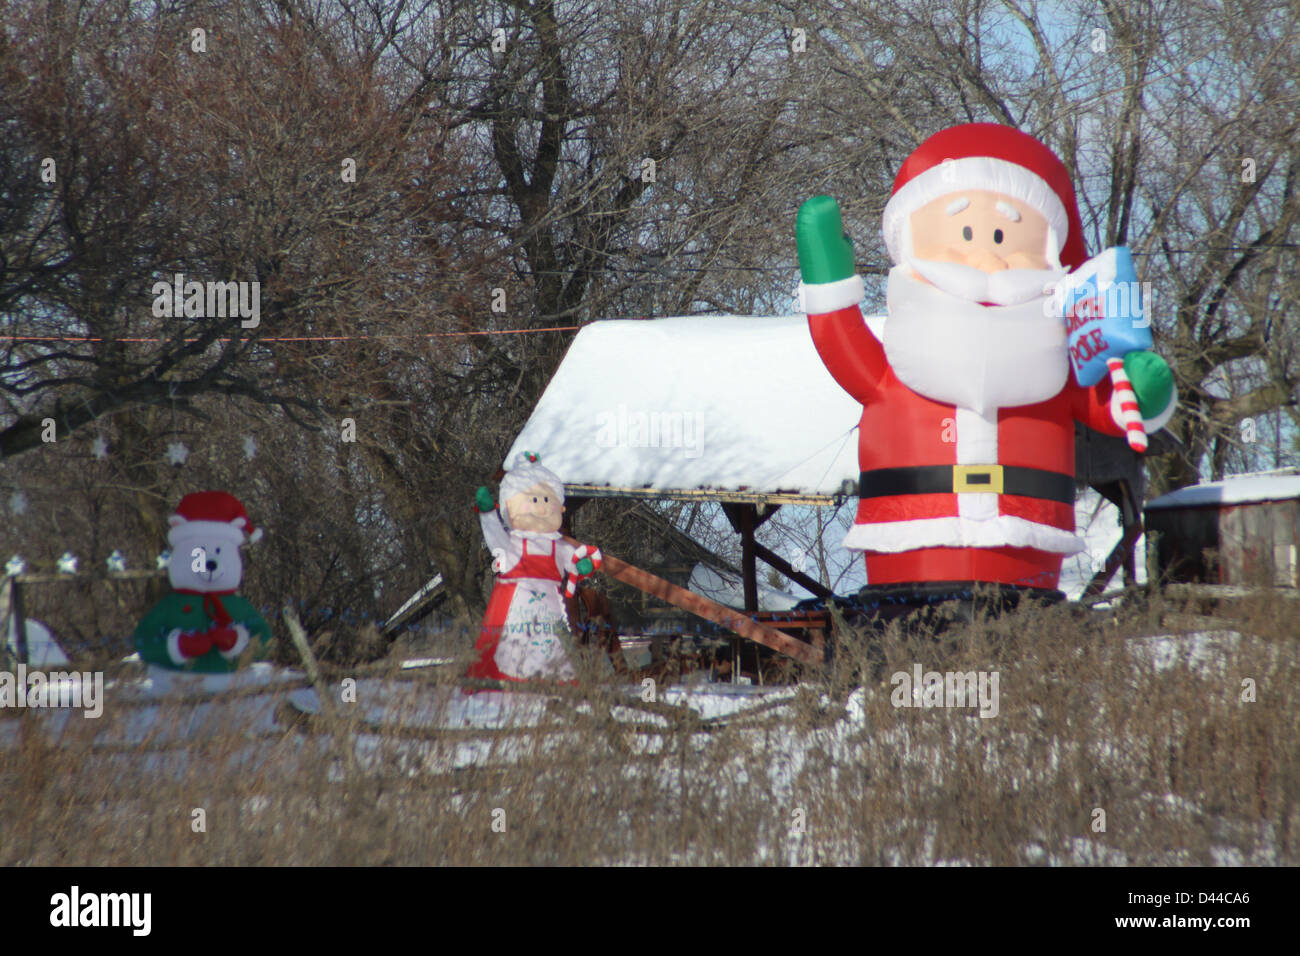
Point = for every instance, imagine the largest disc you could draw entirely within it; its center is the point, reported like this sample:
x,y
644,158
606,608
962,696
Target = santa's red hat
x,y
986,156
213,512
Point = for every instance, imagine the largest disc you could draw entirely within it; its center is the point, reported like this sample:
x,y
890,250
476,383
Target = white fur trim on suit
x,y
822,297
977,444
1003,531
174,647
201,530
240,643
970,172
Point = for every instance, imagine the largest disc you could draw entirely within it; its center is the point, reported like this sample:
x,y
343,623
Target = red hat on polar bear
x,y
987,156
217,511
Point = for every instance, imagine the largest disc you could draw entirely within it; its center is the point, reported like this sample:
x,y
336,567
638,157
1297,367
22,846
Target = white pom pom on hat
x,y
527,472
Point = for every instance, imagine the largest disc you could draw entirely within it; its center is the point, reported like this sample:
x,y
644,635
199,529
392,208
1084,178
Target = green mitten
x,y
825,252
1153,382
483,500
585,567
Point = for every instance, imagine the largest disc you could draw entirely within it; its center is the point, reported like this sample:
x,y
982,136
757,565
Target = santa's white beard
x,y
1006,287
953,350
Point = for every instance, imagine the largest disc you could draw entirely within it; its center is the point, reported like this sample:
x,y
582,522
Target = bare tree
x,y
266,150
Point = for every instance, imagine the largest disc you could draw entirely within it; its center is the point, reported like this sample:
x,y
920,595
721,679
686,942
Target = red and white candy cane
x,y
584,551
1130,414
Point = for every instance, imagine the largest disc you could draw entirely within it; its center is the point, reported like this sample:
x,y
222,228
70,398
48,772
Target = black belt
x,y
947,479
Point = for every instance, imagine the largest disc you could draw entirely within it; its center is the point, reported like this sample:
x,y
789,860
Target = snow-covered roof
x,y
1239,489
700,402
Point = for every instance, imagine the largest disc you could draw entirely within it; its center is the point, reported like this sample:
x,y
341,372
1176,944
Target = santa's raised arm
x,y
966,442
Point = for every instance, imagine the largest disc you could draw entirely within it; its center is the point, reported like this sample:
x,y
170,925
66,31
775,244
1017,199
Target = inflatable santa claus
x,y
966,442
525,630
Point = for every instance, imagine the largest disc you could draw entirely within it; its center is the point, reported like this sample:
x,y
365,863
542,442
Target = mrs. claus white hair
x,y
527,473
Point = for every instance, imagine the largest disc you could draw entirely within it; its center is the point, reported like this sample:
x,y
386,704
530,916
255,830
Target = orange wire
x,y
302,338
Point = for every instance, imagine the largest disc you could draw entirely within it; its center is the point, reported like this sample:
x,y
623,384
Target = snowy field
x,y
743,749
1144,723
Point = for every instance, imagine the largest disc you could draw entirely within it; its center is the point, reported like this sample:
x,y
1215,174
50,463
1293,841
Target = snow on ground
x,y
492,728
1206,653
159,682
722,700
502,717
164,708
408,704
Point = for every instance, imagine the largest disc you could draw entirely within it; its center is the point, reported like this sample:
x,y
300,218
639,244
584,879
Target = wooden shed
x,y
1241,531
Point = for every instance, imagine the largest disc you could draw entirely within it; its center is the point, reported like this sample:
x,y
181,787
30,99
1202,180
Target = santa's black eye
x,y
967,234
218,550
997,235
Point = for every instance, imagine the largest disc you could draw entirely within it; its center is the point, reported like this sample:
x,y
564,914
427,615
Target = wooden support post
x,y
809,584
745,518
1153,558
1130,561
1131,516
19,617
1121,554
747,564
571,506
710,610
6,610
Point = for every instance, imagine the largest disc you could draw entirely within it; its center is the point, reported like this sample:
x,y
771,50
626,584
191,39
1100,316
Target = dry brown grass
x,y
1185,771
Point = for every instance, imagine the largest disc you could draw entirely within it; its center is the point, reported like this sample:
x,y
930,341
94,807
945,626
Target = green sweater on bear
x,y
186,613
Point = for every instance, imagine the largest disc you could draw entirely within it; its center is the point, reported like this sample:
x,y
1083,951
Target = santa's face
x,y
981,229
537,509
983,247
969,322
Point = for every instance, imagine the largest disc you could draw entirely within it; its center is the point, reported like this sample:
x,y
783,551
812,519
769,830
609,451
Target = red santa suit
x,y
966,442
949,493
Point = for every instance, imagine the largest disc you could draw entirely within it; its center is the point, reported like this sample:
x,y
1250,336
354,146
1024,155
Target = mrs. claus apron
x,y
525,628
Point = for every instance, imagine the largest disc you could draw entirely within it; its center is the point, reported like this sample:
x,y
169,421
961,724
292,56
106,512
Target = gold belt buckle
x,y
977,478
